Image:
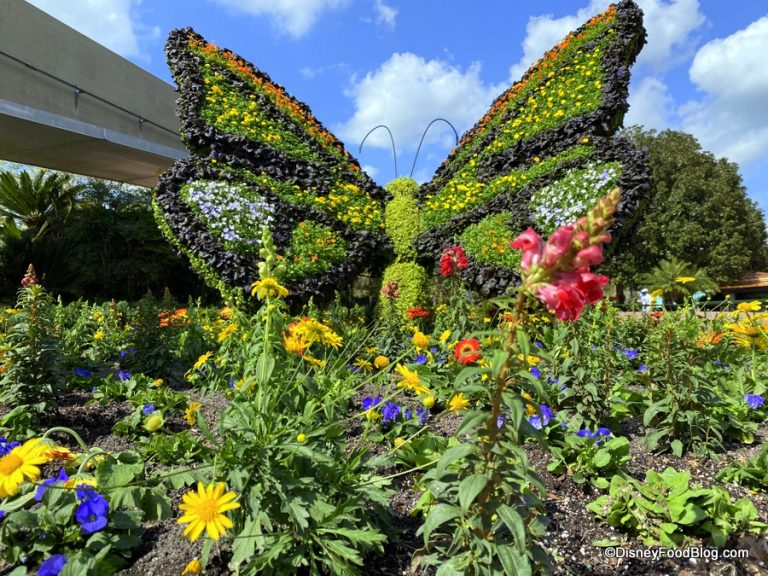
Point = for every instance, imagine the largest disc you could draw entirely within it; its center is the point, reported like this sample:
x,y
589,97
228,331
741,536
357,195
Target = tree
x,y
675,279
87,238
697,212
38,204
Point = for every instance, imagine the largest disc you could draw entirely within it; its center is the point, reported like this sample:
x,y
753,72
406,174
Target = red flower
x,y
453,259
417,312
466,351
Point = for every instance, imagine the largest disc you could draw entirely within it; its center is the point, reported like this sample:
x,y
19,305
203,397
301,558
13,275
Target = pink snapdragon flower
x,y
557,273
30,278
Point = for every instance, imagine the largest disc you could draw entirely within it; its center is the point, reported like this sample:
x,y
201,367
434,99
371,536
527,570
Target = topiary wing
x,y
259,156
542,153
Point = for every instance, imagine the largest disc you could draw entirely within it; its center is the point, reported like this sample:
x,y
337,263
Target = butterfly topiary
x,y
541,156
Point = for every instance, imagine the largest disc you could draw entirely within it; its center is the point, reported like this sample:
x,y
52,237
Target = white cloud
x,y
295,17
385,14
371,170
731,119
669,26
650,104
407,92
111,23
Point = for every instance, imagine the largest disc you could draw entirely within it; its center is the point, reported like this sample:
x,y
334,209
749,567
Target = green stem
x,y
69,431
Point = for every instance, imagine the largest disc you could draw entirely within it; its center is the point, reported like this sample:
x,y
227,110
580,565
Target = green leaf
x,y
438,516
513,562
472,420
453,455
244,546
602,458
516,525
653,410
677,448
470,488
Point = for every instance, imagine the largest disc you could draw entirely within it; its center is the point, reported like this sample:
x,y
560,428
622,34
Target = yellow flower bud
x,y
154,421
301,438
428,402
399,442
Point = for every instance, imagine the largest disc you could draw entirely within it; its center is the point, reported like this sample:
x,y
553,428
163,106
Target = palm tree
x,y
675,279
36,205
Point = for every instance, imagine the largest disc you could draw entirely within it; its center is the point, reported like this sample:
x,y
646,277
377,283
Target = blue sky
x,y
360,63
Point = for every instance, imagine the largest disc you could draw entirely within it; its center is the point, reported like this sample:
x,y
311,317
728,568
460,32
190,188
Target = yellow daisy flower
x,y
21,462
190,414
420,340
294,345
202,360
458,402
268,287
381,362
194,567
363,364
444,336
411,381
753,306
204,510
311,331
227,332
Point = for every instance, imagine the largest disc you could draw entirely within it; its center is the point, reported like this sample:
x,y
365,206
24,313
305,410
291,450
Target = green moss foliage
x,y
413,289
402,219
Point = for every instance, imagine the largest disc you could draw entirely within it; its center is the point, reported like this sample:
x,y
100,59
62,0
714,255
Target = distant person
x,y
645,300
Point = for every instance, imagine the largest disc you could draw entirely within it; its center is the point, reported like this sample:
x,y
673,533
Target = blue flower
x,y
642,368
6,447
232,383
148,409
390,411
535,371
123,375
603,432
123,353
423,415
630,353
2,514
92,511
420,359
52,565
499,420
754,401
369,403
540,422
353,369
94,389
62,477
538,344
82,373
584,433
407,414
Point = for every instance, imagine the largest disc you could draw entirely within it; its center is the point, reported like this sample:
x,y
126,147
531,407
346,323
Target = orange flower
x,y
466,351
709,338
